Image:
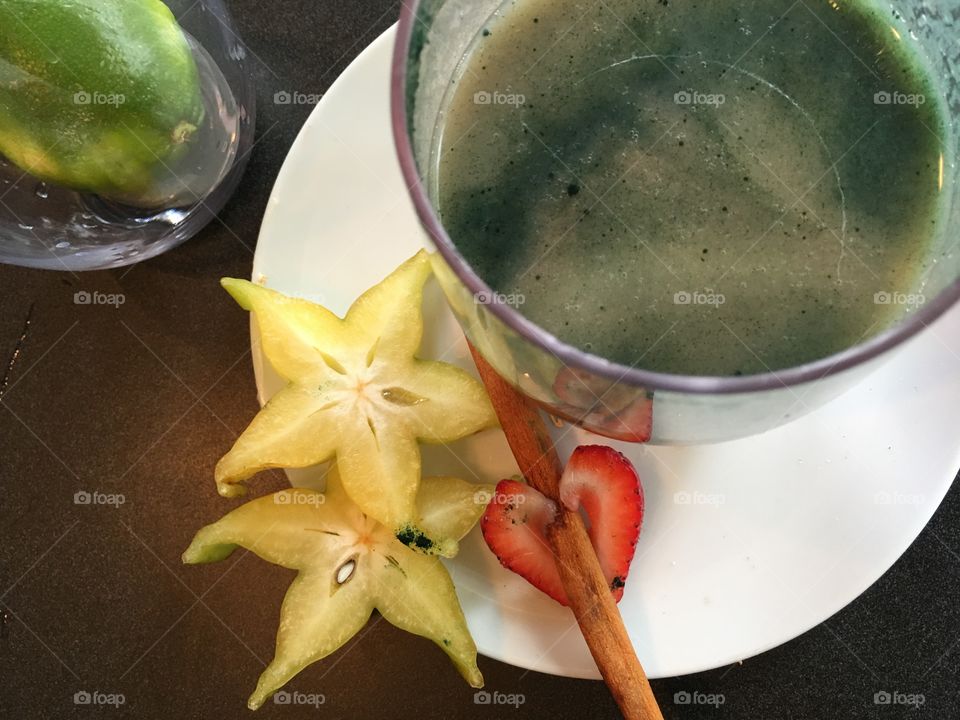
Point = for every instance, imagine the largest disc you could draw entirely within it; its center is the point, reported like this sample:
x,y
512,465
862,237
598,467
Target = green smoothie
x,y
720,188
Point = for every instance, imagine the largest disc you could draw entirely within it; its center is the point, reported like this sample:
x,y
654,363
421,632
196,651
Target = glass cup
x,y
49,225
631,403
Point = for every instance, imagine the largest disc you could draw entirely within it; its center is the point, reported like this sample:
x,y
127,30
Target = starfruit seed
x,y
346,571
399,396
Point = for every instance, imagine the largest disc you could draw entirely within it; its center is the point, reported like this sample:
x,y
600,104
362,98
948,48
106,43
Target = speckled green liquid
x,y
711,188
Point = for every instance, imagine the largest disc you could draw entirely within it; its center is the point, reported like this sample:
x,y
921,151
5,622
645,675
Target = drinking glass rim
x,y
576,358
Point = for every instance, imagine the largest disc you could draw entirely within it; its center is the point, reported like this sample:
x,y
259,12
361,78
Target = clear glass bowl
x,y
616,400
45,225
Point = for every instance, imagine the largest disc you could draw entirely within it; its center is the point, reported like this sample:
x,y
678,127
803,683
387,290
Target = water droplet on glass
x,y
238,52
41,191
62,245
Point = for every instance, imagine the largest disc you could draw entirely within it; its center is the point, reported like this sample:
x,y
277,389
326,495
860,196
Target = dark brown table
x,y
142,400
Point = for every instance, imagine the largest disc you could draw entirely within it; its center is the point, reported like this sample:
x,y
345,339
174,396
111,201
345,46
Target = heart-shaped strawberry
x,y
597,479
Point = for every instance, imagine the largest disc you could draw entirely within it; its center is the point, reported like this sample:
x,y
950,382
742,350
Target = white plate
x,y
746,544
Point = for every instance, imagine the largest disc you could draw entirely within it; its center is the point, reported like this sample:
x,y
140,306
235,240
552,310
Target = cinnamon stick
x,y
586,587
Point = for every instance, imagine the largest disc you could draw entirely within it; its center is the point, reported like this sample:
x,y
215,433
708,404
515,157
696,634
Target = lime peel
x,y
105,94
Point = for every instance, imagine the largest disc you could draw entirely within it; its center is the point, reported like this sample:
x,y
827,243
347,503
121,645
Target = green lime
x,y
96,95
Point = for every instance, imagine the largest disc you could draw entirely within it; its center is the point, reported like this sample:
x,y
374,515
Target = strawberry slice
x,y
605,484
597,479
515,528
614,410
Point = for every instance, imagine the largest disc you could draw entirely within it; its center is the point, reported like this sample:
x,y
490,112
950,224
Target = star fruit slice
x,y
356,391
348,565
